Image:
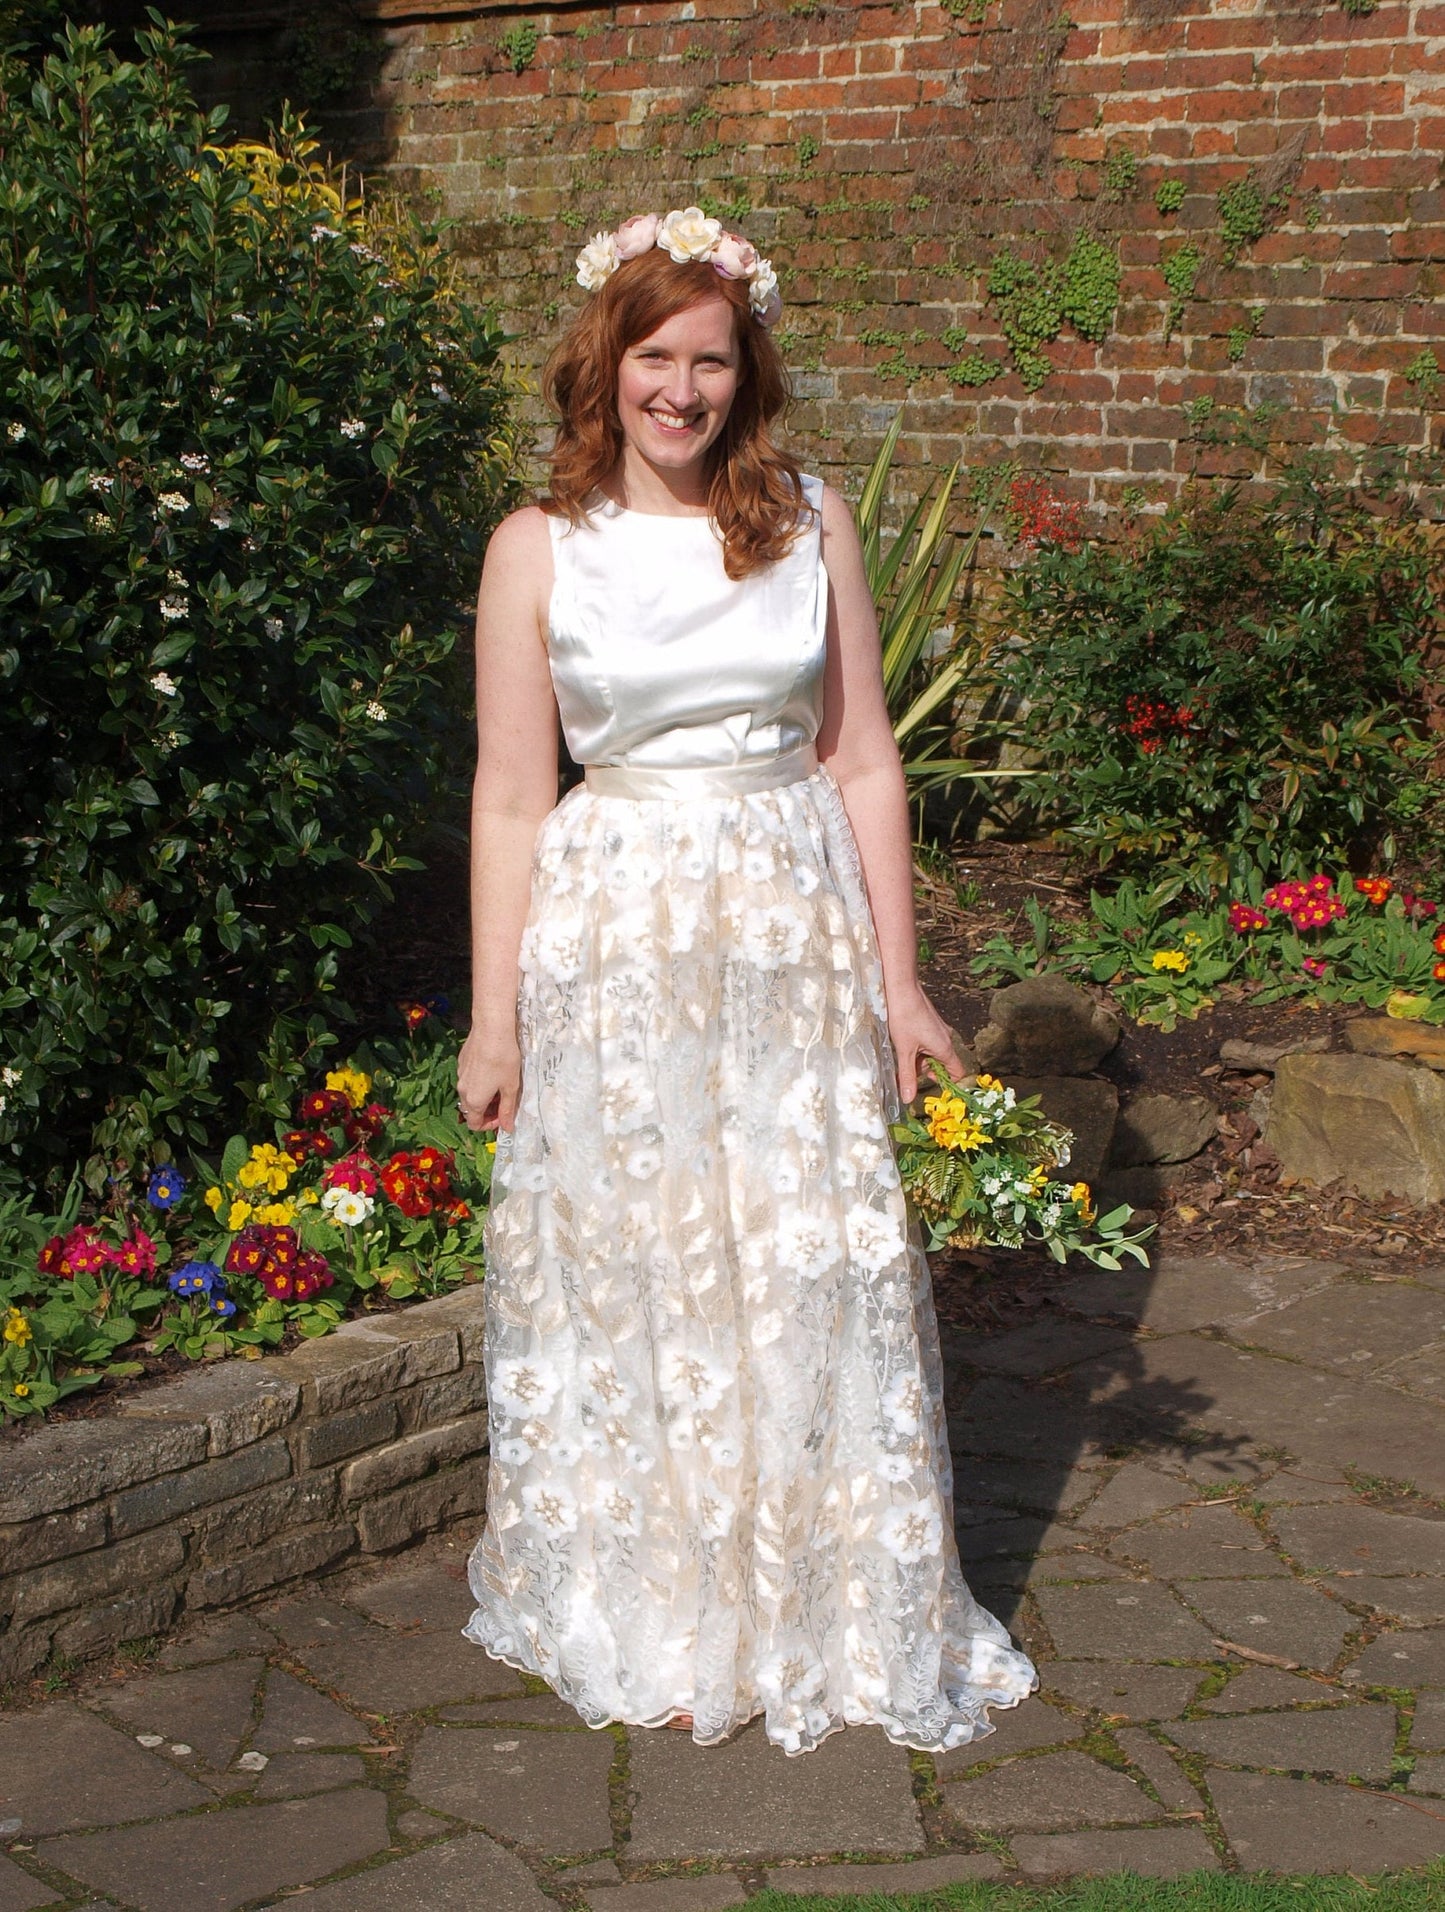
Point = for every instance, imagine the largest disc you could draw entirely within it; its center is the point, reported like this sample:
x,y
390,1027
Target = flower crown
x,y
687,234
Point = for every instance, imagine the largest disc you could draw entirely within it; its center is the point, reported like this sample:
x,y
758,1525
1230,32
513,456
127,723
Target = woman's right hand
x,y
489,1079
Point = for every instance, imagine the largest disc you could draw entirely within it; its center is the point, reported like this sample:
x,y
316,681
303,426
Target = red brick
x,y
1303,63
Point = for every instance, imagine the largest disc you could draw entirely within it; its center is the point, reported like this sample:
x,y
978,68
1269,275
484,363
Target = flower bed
x,y
1334,939
354,1199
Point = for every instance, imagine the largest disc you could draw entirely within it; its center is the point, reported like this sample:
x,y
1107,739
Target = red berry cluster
x,y
274,1257
1150,722
1041,516
419,1181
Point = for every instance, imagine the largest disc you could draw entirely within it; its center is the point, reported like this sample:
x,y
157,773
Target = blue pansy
x,y
195,1278
166,1187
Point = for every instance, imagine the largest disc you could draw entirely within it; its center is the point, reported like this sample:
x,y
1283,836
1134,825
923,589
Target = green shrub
x,y
251,445
1236,688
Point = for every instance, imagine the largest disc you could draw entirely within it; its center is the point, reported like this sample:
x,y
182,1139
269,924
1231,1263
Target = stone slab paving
x,y
1170,1489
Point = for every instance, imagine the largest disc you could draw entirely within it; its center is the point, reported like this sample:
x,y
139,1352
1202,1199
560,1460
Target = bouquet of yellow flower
x,y
976,1166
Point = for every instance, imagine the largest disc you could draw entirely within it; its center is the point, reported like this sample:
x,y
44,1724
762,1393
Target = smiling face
x,y
675,389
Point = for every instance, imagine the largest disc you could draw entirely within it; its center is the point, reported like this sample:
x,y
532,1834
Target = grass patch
x,y
1123,1892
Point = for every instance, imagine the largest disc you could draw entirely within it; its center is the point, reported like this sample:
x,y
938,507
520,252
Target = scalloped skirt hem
x,y
600,1718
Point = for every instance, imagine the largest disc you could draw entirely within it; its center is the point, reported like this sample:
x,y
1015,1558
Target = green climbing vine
x,y
1423,372
1244,212
518,45
1180,269
1034,301
1168,196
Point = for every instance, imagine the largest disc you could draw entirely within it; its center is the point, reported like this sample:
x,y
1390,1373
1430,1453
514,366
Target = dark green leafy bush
x,y
251,444
1236,689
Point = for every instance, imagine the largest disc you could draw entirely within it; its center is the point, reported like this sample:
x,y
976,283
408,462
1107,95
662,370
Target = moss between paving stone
x,y
1194,1892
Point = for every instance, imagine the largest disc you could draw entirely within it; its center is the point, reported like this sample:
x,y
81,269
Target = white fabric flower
x,y
616,1510
874,1239
173,501
808,1244
775,936
164,684
902,1402
912,1532
605,1388
597,261
551,1507
15,431
715,1514
376,711
520,1386
692,1376
689,234
556,948
195,461
351,427
174,607
803,1107
857,1102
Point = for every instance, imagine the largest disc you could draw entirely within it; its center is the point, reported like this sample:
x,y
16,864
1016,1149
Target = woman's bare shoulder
x,y
521,538
840,533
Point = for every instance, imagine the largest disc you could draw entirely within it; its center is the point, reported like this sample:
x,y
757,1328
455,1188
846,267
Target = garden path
x,y
1209,1498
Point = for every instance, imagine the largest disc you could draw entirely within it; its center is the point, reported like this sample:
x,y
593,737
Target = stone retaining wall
x,y
235,1479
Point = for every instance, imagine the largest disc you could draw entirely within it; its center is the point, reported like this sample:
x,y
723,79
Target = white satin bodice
x,y
659,659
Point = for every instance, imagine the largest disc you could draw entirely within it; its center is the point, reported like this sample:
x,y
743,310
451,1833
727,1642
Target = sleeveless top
x,y
660,659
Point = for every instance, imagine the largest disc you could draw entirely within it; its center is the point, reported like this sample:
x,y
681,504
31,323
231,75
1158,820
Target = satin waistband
x,y
702,780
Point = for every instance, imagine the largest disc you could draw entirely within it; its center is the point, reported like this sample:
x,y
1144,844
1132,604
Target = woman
x,y
719,1481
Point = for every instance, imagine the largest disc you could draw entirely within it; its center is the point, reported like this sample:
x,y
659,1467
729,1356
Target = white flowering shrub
x,y
251,445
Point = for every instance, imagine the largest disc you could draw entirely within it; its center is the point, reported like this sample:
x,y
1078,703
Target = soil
x,y
1226,1202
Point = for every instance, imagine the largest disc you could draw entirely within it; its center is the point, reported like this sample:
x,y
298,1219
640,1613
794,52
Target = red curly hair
x,y
755,491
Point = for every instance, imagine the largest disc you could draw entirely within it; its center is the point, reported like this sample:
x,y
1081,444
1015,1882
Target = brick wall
x,y
886,156
241,1477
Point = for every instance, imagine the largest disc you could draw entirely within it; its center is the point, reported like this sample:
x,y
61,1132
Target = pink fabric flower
x,y
636,235
734,257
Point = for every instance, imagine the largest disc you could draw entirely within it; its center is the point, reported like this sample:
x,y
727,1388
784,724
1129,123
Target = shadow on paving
x,y
1171,1486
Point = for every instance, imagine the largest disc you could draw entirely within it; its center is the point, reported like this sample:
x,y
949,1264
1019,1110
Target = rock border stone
x,y
231,1481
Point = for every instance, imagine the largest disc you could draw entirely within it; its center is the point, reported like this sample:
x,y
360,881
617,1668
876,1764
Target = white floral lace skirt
x,y
720,1481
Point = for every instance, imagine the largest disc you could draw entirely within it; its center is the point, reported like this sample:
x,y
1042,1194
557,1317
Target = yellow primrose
x,y
492,1145
1082,1197
352,1083
277,1214
987,1083
17,1328
21,1388
214,1198
307,1198
1174,959
240,1213
1192,937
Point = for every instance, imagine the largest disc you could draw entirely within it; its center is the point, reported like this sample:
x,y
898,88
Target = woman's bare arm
x,y
856,743
514,788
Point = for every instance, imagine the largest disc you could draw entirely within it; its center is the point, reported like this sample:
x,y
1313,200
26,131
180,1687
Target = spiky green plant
x,y
914,582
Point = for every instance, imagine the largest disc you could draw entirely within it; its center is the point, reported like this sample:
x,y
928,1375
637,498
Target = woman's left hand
x,y
917,1029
